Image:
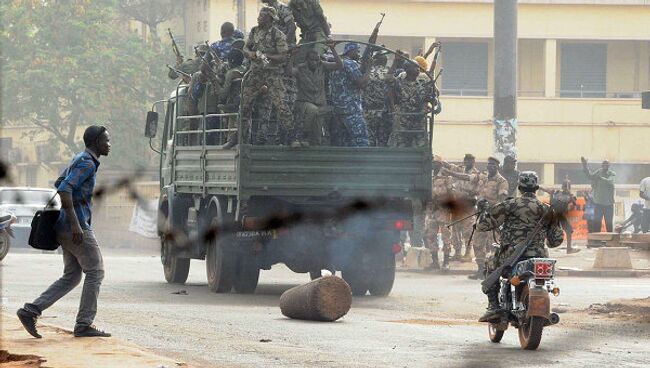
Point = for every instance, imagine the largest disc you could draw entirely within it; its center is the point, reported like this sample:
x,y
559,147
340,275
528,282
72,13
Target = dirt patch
x,y
627,309
438,322
8,360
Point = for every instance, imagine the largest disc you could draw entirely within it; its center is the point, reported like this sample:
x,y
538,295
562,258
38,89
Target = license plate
x,y
271,234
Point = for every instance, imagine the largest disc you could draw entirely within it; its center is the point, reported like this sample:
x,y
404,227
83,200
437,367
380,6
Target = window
x,y
631,174
583,70
466,68
6,144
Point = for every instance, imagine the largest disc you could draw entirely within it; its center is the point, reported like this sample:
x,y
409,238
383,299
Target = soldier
x,y
438,216
517,218
411,98
345,90
204,91
562,202
230,96
309,16
466,196
189,66
492,189
267,50
229,35
312,101
374,103
511,174
285,21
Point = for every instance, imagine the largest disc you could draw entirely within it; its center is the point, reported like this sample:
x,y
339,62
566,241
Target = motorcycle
x,y
5,234
525,302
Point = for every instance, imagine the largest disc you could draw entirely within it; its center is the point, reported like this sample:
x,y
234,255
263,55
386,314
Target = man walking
x,y
603,181
80,249
644,191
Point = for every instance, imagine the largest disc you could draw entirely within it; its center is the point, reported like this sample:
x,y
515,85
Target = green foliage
x,y
69,64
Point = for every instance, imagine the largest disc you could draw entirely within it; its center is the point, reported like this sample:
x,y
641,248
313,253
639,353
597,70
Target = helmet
x,y
528,181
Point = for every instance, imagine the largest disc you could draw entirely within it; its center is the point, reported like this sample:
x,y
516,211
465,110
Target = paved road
x,y
428,320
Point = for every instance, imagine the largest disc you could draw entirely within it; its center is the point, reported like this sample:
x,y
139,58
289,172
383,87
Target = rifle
x,y
519,251
179,56
463,219
180,72
432,69
367,53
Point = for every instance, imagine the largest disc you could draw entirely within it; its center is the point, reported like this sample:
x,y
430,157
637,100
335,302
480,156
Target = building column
x,y
550,67
549,174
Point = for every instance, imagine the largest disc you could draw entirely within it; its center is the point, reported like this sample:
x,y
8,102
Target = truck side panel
x,y
346,171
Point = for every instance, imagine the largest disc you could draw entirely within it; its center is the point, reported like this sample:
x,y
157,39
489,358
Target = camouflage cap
x,y
528,180
270,11
493,161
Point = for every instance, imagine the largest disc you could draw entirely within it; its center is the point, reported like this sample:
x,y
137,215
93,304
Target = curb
x,y
560,273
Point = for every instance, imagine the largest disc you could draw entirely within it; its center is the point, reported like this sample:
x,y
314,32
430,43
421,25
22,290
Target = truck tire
x,y
219,267
357,279
176,269
4,244
382,280
248,275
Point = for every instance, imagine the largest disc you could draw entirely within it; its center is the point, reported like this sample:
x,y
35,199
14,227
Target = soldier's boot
x,y
478,275
445,262
492,311
435,264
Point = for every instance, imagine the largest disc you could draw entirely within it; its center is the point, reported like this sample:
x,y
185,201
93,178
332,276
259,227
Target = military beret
x,y
494,160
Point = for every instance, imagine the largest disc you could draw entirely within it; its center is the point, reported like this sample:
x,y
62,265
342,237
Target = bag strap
x,y
50,201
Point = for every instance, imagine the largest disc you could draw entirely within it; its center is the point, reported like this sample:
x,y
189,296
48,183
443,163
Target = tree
x,y
150,12
69,64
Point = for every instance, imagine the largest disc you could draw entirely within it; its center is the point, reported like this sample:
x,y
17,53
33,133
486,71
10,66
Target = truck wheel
x,y
4,244
382,280
248,275
219,267
357,280
176,269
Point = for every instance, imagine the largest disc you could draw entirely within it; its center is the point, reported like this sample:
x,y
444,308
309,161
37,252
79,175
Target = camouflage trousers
x,y
482,245
356,126
379,127
409,131
418,223
437,223
275,97
310,117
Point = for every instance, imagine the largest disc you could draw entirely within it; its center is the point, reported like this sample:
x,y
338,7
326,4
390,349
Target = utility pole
x,y
505,78
241,15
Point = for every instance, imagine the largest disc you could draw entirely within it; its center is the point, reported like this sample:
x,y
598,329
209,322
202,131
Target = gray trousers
x,y
85,257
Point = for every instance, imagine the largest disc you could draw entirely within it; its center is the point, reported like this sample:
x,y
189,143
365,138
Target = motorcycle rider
x,y
517,217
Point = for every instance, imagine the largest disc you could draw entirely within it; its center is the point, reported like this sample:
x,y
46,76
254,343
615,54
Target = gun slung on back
x,y
519,251
177,52
367,53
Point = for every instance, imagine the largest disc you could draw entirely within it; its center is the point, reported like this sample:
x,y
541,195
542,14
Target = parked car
x,y
23,202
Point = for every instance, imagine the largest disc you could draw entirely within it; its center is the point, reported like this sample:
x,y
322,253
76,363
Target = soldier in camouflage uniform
x,y
230,96
309,16
438,216
517,218
411,98
374,103
466,190
511,174
345,90
190,66
267,50
492,189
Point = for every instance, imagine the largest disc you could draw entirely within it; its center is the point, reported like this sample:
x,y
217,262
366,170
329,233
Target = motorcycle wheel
x,y
495,334
530,328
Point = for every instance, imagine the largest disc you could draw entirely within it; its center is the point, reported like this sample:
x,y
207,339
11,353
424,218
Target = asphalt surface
x,y
428,320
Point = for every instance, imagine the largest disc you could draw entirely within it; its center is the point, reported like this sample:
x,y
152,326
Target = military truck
x,y
246,209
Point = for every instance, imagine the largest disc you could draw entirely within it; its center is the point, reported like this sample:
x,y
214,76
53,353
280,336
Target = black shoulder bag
x,y
43,234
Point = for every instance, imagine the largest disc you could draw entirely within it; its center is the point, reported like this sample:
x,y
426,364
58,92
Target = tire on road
x,y
219,267
5,243
357,279
382,280
176,269
530,329
495,333
247,274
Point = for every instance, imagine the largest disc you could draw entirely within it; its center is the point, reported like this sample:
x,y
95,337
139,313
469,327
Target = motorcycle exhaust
x,y
554,318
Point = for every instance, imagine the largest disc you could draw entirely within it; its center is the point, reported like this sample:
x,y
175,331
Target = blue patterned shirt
x,y
79,182
222,48
345,95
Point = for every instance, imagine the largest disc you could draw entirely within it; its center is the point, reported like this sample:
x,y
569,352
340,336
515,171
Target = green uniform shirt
x,y
189,66
311,84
